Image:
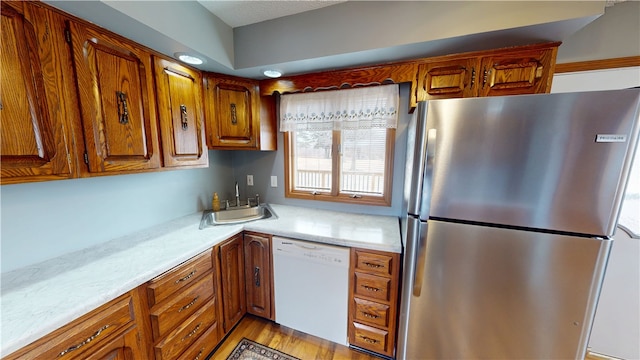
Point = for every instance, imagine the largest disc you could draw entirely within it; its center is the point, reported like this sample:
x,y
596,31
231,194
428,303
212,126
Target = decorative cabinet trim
x,y
457,78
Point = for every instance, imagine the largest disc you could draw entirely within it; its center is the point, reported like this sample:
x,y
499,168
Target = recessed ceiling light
x,y
189,59
272,73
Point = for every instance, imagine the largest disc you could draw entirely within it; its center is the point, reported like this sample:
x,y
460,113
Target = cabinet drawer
x,y
85,334
203,346
372,286
169,314
186,333
372,313
374,263
370,338
166,284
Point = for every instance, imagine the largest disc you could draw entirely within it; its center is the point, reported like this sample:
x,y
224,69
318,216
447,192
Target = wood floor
x,y
292,342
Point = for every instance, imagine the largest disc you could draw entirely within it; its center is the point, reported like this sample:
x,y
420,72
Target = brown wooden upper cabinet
x,y
179,94
115,89
237,118
36,139
511,71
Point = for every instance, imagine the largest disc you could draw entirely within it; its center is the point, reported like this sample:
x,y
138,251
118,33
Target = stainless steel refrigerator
x,y
511,204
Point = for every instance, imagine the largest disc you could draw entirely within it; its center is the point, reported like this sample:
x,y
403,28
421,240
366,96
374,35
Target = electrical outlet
x,y
274,181
249,180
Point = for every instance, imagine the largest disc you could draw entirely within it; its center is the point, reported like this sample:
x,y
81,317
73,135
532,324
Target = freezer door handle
x,y
427,177
418,232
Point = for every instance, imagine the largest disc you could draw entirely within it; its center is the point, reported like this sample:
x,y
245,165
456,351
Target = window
x,y
339,144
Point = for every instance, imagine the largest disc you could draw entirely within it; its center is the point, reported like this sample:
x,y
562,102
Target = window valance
x,y
348,109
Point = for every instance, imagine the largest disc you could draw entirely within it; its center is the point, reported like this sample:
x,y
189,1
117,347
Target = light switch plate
x,y
274,181
249,180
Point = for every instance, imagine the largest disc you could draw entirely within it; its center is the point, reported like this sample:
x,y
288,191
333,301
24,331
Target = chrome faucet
x,y
237,195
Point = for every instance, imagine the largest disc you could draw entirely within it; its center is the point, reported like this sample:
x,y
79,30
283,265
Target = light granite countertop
x,y
40,298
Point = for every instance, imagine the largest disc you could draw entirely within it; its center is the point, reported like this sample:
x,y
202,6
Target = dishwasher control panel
x,y
322,253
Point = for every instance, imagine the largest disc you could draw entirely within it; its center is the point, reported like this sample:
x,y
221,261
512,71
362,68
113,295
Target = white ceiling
x,y
241,13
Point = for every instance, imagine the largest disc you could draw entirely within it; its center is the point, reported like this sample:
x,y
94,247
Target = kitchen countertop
x,y
40,298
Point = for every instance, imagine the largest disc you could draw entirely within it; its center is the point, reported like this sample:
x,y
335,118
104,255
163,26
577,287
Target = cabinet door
x,y
447,79
35,139
179,91
232,273
233,113
526,72
123,347
257,265
115,88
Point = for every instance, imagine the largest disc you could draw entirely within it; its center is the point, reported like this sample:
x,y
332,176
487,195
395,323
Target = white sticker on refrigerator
x,y
609,138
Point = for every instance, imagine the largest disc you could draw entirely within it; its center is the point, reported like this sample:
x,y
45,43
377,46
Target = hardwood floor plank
x,y
282,338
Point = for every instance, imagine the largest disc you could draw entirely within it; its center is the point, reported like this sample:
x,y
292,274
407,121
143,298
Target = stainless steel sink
x,y
236,215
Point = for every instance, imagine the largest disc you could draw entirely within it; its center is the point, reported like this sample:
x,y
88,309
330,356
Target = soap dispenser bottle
x,y
216,202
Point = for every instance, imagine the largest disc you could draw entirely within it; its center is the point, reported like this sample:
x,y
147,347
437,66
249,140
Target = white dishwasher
x,y
311,287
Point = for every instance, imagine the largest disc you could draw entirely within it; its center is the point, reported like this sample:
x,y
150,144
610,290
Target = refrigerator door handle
x,y
427,177
420,257
418,160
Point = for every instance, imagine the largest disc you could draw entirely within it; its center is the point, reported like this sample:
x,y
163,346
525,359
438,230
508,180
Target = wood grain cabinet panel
x,y
181,276
186,333
108,332
510,71
373,300
529,72
176,309
182,307
204,345
448,79
118,348
258,274
34,94
182,131
236,116
232,283
370,312
117,101
233,112
371,338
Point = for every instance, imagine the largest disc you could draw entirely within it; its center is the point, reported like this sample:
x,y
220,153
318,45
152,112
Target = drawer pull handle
x,y
370,316
370,288
189,304
88,340
369,340
372,265
189,275
199,354
193,332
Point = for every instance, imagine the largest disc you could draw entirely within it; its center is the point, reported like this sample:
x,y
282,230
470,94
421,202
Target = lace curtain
x,y
349,109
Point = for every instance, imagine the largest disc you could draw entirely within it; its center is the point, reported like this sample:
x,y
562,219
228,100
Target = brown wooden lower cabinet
x,y
185,312
232,285
373,300
258,275
109,332
182,306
